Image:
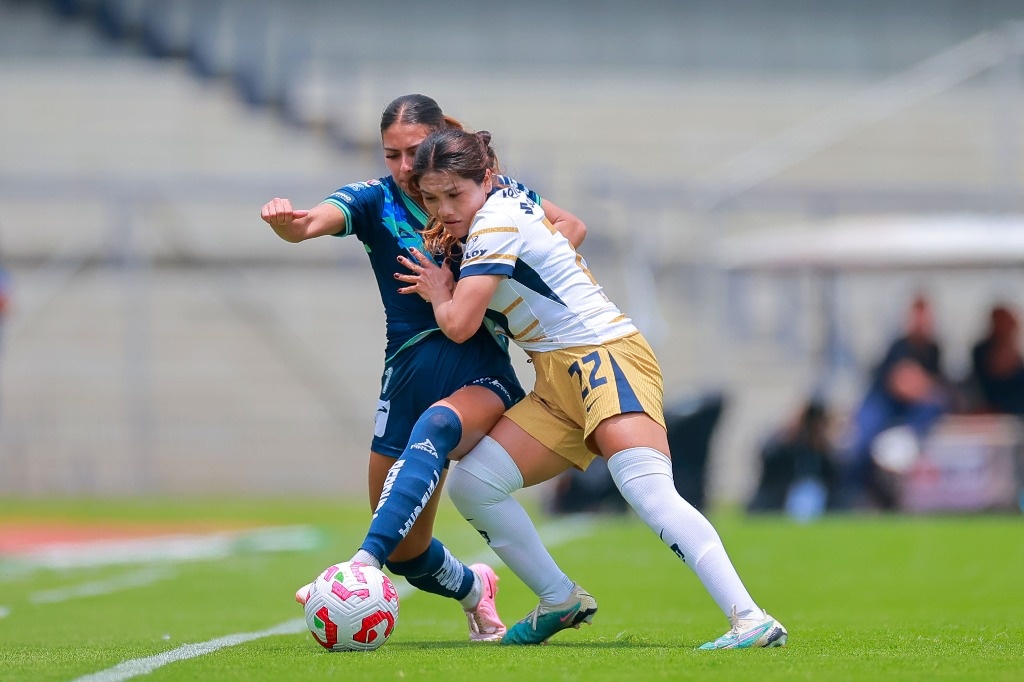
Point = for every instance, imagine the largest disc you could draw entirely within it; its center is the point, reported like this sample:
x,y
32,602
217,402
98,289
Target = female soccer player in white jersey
x,y
598,389
433,391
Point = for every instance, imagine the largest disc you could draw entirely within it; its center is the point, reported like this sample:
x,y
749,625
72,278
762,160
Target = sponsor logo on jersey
x,y
348,198
494,384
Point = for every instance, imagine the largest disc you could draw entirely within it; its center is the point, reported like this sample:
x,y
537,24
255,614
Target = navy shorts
x,y
431,370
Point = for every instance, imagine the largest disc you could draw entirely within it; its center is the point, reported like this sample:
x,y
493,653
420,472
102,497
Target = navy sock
x,y
412,479
436,571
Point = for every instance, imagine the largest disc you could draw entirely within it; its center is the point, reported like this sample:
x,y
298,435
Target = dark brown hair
x,y
456,152
416,109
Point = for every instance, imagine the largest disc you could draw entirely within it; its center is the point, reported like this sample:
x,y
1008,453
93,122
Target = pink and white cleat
x,y
302,594
484,623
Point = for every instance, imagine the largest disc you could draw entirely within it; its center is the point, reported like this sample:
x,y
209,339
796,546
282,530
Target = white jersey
x,y
549,300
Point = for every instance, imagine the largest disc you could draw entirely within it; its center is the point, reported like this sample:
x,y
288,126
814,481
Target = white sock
x,y
470,601
644,477
481,486
364,557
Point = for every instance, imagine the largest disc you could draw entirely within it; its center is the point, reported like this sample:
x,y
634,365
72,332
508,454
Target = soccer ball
x,y
352,607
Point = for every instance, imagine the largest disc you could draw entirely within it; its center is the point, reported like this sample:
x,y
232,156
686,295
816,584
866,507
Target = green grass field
x,y
863,598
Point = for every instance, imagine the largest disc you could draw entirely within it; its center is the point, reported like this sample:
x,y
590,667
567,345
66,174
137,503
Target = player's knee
x,y
485,477
441,423
633,463
468,491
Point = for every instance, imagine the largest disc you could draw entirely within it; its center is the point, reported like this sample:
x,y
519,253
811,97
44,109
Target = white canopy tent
x,y
887,242
880,244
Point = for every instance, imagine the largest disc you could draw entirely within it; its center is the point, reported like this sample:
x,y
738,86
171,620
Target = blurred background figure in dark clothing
x,y
997,366
798,469
908,388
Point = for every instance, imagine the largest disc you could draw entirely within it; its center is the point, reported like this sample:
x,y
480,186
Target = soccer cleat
x,y
747,633
548,620
484,623
302,594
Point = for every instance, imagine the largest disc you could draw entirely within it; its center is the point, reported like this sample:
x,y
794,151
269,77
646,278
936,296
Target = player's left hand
x,y
427,279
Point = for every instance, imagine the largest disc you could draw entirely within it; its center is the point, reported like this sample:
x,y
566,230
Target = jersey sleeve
x,y
493,247
506,181
362,204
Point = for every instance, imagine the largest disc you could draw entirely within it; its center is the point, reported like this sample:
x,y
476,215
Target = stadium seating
x,y
149,133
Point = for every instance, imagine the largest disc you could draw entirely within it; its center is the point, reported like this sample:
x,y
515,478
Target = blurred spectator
x,y
798,469
997,366
907,389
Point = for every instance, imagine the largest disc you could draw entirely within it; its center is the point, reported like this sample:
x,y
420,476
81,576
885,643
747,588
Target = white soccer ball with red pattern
x,y
352,607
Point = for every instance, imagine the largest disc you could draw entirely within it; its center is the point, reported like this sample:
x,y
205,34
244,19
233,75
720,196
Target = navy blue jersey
x,y
388,222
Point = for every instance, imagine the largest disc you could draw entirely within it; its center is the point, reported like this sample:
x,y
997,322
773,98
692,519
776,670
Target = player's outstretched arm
x,y
571,227
295,225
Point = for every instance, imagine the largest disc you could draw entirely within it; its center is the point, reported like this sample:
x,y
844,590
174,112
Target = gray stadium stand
x,y
162,340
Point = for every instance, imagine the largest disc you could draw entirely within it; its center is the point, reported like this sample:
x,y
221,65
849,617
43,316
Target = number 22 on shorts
x,y
587,373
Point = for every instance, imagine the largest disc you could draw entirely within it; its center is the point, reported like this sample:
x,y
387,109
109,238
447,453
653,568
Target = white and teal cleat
x,y
548,620
748,633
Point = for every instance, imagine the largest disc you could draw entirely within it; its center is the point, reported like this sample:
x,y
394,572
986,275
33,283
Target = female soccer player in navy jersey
x,y
598,390
438,398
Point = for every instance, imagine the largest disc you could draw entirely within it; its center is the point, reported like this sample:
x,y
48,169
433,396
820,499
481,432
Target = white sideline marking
x,y
143,666
553,534
141,578
4,612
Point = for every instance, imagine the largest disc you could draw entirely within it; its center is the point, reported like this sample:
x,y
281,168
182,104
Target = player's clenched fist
x,y
296,225
279,212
